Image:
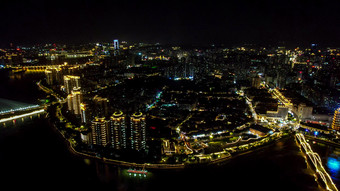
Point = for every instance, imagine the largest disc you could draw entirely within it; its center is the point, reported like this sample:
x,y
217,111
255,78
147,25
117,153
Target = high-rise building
x,y
116,44
77,99
69,102
116,47
49,77
74,101
255,82
138,131
71,82
314,47
101,106
117,130
53,75
99,131
304,111
83,113
67,84
336,120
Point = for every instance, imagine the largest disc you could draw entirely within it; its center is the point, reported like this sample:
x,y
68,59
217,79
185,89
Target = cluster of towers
x,y
73,89
120,131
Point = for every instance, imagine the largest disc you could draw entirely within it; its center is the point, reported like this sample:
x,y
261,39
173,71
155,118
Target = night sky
x,y
292,22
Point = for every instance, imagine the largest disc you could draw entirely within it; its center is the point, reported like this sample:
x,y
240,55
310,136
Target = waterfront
x,y
32,156
31,152
20,88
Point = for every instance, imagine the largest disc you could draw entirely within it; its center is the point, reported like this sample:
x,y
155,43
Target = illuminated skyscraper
x,y
53,75
67,84
116,44
99,131
69,102
101,106
49,77
138,132
77,99
336,120
71,82
83,113
117,130
74,100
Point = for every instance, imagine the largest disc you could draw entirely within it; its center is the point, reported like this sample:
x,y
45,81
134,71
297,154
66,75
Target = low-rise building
x,y
259,130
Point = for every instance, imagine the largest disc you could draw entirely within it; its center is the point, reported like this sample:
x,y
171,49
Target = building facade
x,y
117,130
99,131
83,113
138,131
74,101
101,106
336,120
71,82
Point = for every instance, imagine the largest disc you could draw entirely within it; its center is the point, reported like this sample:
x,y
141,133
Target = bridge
x,y
42,68
11,110
35,68
14,117
314,159
10,106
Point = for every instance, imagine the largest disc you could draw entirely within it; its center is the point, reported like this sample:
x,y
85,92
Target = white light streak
x,y
20,116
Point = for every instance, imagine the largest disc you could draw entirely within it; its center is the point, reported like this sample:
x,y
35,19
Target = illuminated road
x,y
254,115
316,162
276,93
282,98
49,91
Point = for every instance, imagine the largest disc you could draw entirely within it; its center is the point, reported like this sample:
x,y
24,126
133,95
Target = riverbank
x,y
112,161
37,148
217,161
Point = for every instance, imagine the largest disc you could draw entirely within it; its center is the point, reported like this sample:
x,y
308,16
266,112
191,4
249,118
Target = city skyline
x,y
290,23
142,95
152,106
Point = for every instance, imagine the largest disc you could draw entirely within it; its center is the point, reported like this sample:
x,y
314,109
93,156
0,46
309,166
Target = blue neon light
x,y
333,164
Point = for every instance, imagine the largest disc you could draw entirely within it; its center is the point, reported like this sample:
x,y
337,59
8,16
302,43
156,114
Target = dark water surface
x,y
20,87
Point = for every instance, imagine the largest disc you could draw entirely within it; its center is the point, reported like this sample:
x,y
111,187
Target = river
x,y
32,156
